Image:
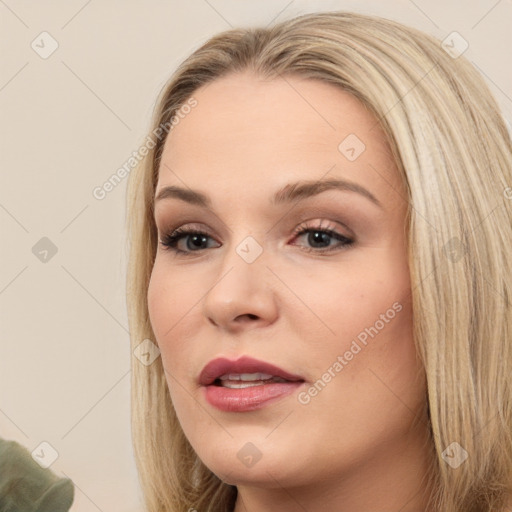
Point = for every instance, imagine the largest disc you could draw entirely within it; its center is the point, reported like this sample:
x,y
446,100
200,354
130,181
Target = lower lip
x,y
248,399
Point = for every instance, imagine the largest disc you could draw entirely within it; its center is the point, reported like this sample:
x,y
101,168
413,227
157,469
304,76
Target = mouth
x,y
246,380
245,384
243,372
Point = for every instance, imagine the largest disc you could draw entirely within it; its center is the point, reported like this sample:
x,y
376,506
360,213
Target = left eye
x,y
318,236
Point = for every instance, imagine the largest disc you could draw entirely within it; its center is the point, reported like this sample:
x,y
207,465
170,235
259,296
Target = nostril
x,y
247,316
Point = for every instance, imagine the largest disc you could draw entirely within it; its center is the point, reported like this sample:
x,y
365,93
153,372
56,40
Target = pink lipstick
x,y
246,384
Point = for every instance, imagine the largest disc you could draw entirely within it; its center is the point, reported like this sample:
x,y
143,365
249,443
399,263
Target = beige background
x,y
68,122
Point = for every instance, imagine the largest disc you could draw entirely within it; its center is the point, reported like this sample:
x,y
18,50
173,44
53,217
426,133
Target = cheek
x,y
168,313
170,301
380,319
160,303
366,317
340,301
171,296
379,370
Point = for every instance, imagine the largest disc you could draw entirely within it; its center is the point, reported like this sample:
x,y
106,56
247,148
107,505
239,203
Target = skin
x,y
355,446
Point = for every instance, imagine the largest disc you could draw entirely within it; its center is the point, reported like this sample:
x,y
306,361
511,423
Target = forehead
x,y
256,131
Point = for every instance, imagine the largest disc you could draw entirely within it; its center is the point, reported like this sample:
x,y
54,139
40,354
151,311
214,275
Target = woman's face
x,y
332,308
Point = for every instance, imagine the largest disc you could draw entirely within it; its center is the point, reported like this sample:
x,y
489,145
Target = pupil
x,y
197,240
317,236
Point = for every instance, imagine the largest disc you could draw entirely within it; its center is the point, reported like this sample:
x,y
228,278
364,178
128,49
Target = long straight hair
x,y
454,154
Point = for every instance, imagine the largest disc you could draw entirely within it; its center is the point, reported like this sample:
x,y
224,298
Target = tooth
x,y
245,376
255,376
239,385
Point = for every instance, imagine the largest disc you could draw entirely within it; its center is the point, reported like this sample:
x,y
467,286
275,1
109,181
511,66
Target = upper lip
x,y
220,366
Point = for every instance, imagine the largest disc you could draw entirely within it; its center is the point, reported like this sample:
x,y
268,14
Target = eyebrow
x,y
289,193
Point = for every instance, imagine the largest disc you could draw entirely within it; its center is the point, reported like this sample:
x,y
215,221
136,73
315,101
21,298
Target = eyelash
x,y
170,241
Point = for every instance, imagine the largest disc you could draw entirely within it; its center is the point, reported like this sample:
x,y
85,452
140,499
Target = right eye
x,y
194,244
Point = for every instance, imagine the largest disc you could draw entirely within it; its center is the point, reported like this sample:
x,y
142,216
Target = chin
x,y
247,464
261,475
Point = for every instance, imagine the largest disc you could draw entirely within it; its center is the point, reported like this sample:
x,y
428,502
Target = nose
x,y
243,295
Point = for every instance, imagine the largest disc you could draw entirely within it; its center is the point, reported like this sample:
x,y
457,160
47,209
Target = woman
x,y
340,340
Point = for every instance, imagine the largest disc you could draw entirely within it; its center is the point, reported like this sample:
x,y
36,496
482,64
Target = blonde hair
x,y
454,154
